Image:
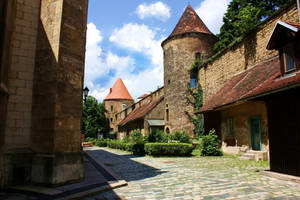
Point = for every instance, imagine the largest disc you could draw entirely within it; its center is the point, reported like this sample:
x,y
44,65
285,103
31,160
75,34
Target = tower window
x,y
197,55
193,81
169,81
111,119
167,114
111,108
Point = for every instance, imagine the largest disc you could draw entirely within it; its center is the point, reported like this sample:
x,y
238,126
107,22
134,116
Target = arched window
x,y
167,130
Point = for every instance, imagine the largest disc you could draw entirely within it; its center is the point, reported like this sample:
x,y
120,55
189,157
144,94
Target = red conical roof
x,y
118,91
190,22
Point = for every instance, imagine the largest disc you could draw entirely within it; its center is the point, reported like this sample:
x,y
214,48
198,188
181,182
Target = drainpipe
x,y
298,5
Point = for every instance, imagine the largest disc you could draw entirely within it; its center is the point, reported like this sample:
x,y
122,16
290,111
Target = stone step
x,y
248,156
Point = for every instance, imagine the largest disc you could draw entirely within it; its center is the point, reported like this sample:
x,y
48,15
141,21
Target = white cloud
x,y
212,12
158,10
139,38
100,64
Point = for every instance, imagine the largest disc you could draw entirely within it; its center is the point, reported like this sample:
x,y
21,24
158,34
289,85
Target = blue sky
x,y
124,37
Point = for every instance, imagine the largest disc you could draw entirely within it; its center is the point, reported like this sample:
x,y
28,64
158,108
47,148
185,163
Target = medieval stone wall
x,y
251,51
179,55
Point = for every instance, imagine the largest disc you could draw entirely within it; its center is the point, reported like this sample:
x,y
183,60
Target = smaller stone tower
x,y
189,40
116,101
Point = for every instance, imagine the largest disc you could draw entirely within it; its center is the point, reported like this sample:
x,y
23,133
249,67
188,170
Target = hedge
x,y
135,147
170,149
100,143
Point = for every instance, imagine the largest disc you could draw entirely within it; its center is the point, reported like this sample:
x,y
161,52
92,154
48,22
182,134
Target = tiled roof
x,y
190,22
143,96
276,82
118,91
258,79
140,112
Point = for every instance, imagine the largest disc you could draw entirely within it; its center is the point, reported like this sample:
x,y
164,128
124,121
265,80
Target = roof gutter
x,y
272,92
244,100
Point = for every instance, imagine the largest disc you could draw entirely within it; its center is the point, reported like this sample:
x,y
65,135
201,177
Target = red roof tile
x,y
190,22
118,91
245,84
143,96
275,83
140,112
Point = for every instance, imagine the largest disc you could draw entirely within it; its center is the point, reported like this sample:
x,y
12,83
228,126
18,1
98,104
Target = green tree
x,y
94,120
243,16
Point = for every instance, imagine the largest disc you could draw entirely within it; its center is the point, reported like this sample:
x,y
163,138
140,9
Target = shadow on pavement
x,y
124,165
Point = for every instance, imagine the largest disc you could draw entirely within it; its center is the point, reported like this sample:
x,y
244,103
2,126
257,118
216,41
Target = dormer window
x,y
288,58
285,39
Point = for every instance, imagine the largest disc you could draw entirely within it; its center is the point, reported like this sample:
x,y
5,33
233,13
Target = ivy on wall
x,y
196,100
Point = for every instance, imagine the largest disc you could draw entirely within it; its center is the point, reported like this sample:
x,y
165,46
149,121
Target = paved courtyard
x,y
191,178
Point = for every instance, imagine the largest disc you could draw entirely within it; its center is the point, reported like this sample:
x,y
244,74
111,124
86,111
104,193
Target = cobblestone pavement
x,y
191,178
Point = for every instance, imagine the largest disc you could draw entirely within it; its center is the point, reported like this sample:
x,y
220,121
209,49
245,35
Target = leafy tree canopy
x,y
94,120
243,16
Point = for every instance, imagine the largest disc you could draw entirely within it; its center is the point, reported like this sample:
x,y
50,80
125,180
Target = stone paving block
x,y
193,178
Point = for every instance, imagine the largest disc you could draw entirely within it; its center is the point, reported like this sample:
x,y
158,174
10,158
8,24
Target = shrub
x,y
112,135
135,147
210,145
181,136
125,139
101,142
89,139
137,136
170,149
157,136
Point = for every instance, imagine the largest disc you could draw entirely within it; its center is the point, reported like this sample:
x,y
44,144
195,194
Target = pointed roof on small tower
x,y
118,91
190,22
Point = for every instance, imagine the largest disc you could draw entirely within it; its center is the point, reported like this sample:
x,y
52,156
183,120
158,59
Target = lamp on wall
x,y
85,92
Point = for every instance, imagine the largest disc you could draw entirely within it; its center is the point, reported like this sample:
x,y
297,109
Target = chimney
x,y
298,4
110,90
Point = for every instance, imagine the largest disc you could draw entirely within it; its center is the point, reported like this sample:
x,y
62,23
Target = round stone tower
x,y
189,40
116,101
